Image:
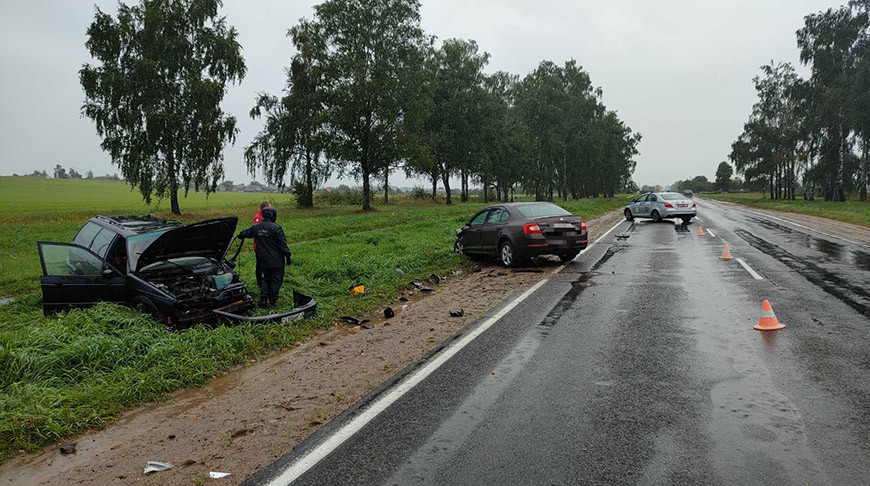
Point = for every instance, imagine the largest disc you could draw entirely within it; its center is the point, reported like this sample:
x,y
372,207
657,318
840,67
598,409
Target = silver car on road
x,y
661,205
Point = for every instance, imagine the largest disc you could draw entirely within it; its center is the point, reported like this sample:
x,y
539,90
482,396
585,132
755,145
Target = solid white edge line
x,y
588,247
749,269
738,207
306,462
711,233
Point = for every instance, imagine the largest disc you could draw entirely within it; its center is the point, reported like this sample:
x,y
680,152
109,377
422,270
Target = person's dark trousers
x,y
259,271
272,279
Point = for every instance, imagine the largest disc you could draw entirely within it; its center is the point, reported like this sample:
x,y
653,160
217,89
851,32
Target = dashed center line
x,y
749,269
711,232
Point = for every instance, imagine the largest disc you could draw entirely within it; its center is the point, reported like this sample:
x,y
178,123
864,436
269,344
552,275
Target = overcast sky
x,y
678,71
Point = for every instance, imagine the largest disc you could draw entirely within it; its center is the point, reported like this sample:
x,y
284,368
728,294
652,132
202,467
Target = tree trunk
x,y
173,184
434,185
387,185
367,205
445,179
309,182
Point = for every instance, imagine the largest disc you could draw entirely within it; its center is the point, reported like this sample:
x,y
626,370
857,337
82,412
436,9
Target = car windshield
x,y
671,196
190,264
137,244
541,210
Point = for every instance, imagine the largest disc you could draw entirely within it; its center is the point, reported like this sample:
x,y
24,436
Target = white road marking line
x,y
314,456
749,269
588,247
737,207
711,232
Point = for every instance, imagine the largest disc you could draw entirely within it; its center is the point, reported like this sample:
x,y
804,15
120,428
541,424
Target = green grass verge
x,y
75,371
852,211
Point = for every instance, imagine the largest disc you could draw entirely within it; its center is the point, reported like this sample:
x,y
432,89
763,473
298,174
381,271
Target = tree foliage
x,y
723,176
162,70
294,137
818,129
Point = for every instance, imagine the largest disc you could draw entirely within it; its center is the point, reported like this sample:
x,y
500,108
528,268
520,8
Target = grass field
x,y
74,371
852,211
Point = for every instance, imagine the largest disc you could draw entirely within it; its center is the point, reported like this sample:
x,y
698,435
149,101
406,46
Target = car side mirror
x,y
107,273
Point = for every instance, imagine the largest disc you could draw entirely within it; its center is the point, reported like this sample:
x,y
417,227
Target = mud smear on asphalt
x,y
577,288
832,250
854,296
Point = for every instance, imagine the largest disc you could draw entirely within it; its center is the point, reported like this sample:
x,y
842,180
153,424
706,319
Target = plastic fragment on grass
x,y
358,289
157,466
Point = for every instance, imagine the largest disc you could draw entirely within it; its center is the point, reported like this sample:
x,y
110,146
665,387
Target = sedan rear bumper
x,y
303,308
554,245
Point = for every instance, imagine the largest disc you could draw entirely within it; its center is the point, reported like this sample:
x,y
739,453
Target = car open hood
x,y
207,238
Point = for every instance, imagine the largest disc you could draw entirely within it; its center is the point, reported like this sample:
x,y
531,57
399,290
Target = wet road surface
x,y
638,364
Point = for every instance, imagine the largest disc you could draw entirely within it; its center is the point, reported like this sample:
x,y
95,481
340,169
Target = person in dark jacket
x,y
272,252
257,218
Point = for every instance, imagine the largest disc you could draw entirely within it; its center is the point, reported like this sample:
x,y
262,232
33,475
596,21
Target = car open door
x,y
74,276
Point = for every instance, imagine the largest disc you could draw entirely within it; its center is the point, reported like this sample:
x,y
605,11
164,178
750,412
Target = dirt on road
x,y
248,417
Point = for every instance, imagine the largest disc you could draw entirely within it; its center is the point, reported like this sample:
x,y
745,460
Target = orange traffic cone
x,y
768,321
700,231
726,253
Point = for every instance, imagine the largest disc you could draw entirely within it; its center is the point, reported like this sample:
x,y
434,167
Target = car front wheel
x,y
628,215
458,247
507,255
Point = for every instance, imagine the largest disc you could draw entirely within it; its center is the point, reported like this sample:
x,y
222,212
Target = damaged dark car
x,y
178,273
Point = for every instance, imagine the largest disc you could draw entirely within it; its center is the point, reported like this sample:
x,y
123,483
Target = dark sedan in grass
x,y
515,232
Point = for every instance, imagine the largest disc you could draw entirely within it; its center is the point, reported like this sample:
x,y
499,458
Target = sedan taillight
x,y
583,226
531,228
669,205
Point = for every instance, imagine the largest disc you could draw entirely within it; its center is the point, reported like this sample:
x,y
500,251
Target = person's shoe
x,y
264,303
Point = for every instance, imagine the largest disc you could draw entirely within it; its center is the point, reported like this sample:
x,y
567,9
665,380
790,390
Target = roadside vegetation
x,y
64,374
851,211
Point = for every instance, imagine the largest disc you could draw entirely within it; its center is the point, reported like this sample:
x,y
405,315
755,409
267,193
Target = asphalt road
x,y
638,364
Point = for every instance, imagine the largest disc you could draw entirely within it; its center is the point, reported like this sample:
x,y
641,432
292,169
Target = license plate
x,y
682,205
564,225
557,242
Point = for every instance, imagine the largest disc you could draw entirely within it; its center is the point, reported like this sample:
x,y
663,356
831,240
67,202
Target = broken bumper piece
x,y
303,308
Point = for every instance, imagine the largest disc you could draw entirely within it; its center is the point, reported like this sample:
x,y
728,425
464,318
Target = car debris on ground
x,y
68,449
388,312
217,474
156,466
434,278
457,313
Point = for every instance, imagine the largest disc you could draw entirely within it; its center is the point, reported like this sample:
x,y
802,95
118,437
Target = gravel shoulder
x,y
249,416
853,232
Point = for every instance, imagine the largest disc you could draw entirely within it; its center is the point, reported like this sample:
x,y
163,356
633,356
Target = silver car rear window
x,y
671,196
